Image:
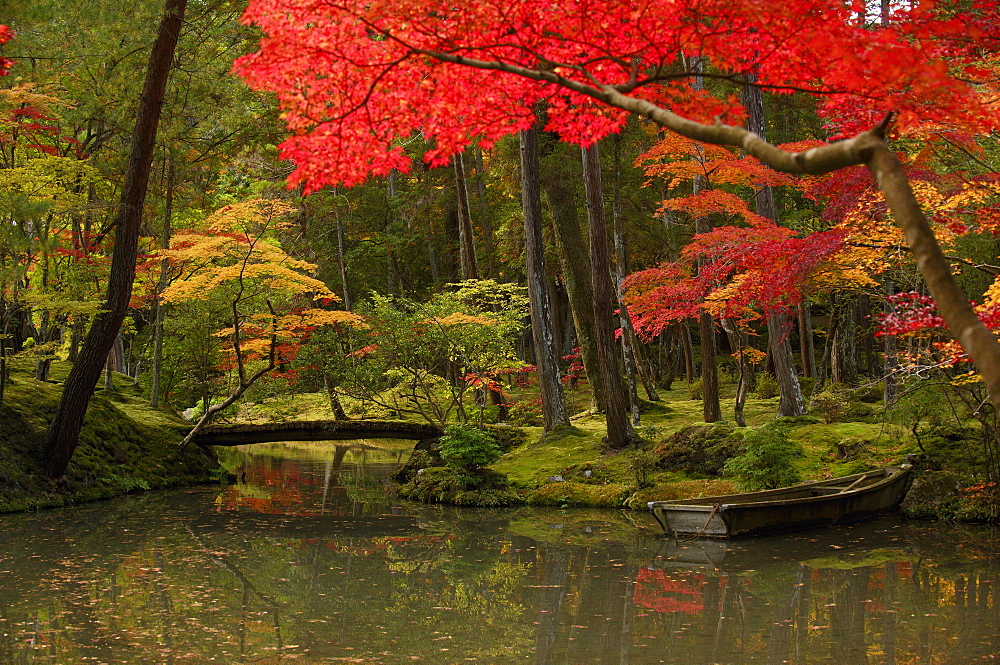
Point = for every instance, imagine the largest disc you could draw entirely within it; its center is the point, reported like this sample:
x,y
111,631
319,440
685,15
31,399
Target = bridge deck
x,y
314,430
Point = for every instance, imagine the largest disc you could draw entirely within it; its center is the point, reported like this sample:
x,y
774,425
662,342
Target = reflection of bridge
x,y
314,430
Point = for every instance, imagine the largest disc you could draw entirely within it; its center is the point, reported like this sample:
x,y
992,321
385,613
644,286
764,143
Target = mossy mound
x,y
441,484
572,493
700,449
117,452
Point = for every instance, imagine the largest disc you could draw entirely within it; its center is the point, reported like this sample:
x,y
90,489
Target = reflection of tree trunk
x,y
785,621
890,587
802,615
710,616
847,619
163,600
553,591
732,609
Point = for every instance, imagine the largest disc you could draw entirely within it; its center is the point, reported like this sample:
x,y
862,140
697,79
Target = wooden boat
x,y
787,508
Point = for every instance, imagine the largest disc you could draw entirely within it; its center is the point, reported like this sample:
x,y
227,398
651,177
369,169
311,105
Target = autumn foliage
x,y
353,79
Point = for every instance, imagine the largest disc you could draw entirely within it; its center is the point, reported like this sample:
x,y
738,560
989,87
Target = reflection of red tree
x,y
286,488
658,591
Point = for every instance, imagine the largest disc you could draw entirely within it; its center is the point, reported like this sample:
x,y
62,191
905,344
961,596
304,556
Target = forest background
x,y
654,259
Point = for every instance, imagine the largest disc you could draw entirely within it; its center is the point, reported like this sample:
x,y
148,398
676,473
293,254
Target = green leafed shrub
x,y
766,462
467,447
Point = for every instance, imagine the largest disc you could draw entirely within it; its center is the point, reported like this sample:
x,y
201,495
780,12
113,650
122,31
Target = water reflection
x,y
310,558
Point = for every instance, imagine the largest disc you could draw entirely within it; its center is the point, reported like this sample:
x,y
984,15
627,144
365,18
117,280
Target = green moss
x,y
440,484
570,493
124,446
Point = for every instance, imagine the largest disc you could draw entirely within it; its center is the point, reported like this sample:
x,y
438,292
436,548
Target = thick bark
x,y
571,249
620,434
64,432
553,400
791,402
488,232
844,350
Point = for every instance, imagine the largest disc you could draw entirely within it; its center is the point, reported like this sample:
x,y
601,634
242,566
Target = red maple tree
x,y
353,79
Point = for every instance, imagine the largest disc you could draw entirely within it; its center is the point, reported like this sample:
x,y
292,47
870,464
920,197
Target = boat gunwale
x,y
720,503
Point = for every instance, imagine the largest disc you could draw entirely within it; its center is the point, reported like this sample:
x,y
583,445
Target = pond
x,y
310,558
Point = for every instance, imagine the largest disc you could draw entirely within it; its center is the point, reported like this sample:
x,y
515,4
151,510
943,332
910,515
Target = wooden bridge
x,y
314,430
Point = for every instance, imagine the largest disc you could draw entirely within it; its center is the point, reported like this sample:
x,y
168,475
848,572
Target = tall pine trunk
x,y
64,433
571,249
620,434
553,400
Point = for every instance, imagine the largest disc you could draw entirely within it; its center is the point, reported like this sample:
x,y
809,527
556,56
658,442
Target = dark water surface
x,y
310,559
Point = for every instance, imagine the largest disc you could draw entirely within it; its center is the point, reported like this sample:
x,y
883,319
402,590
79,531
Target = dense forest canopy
x,y
772,191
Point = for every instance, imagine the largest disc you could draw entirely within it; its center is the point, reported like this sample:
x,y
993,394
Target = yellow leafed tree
x,y
271,297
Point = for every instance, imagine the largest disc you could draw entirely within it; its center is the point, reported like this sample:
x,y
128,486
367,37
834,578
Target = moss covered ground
x,y
571,466
125,446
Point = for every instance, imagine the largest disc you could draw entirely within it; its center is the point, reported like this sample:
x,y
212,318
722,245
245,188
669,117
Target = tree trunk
x,y
806,341
791,402
161,307
844,351
341,262
890,382
630,344
575,263
331,392
466,244
620,434
738,339
489,233
64,432
553,400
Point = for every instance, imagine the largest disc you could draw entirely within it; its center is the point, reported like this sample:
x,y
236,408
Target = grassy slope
x,y
125,445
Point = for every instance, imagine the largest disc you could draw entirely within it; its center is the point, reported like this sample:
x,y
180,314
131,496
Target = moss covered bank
x,y
125,446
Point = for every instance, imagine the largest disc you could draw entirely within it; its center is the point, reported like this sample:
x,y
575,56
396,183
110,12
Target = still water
x,y
309,558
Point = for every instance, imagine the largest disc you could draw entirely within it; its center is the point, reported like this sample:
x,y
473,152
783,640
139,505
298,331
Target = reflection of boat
x,y
787,508
837,546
